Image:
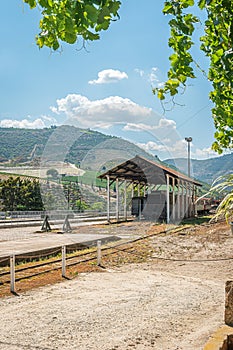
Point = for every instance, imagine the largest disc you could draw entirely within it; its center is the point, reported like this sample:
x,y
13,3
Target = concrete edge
x,y
45,252
217,339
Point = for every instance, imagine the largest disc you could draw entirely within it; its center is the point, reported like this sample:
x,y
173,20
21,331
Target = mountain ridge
x,y
92,150
64,143
206,170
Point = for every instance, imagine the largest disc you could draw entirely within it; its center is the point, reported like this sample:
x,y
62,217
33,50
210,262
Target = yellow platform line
x,y
217,339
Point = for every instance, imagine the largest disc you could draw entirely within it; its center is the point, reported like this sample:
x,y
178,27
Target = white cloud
x,y
152,146
163,124
109,76
139,71
167,148
48,119
28,123
23,124
138,127
204,153
164,138
111,110
153,76
166,123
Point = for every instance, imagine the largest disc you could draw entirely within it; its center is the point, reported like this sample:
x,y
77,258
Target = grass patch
x,y
197,220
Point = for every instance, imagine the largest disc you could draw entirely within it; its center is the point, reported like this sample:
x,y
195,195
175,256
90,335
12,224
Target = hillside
x,y
20,144
84,147
91,150
205,170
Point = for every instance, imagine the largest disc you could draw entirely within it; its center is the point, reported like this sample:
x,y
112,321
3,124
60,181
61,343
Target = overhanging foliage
x,y
217,44
69,20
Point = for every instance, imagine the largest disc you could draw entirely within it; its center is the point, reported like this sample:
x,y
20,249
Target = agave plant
x,y
223,185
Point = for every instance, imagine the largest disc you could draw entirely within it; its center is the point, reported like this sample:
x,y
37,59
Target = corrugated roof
x,y
145,171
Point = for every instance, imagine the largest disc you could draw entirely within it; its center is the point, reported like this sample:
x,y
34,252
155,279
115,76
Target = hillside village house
x,y
157,192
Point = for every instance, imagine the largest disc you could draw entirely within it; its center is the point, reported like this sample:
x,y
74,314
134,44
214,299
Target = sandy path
x,y
134,307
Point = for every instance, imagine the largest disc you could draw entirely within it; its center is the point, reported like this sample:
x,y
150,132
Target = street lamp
x,y
189,140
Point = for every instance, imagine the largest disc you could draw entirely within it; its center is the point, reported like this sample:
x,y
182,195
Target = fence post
x,y
12,273
98,253
63,261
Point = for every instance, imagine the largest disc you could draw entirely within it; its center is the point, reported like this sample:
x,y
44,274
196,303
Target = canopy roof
x,y
145,171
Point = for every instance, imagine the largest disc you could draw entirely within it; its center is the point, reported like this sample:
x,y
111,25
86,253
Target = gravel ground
x,y
160,304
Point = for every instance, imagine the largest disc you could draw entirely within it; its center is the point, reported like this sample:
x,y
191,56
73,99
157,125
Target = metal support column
x,y
144,190
178,199
182,204
194,200
173,200
132,193
125,200
168,200
187,201
108,198
117,199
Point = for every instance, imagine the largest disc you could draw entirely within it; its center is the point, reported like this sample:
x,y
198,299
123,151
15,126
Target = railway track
x,y
84,218
37,268
26,271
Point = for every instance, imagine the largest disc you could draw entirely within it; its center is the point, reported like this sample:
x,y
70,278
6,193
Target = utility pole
x,y
189,140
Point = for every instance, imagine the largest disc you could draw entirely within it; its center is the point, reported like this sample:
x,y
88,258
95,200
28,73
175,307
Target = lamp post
x,y
189,140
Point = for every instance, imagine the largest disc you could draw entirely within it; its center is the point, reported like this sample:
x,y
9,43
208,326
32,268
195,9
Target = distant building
x,y
157,191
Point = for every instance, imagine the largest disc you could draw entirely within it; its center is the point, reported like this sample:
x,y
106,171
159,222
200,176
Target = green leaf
x,y
31,3
56,45
40,42
92,13
103,14
168,8
114,7
43,3
69,25
70,38
92,36
187,3
161,94
173,82
217,55
103,26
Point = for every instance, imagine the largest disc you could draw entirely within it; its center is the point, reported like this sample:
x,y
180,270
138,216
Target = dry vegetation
x,y
162,292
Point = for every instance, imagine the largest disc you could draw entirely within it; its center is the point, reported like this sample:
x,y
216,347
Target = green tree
x,y
32,195
72,194
53,173
81,205
11,193
217,45
69,20
18,194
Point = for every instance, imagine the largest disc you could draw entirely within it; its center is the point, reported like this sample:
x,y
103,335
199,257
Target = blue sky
x,y
107,86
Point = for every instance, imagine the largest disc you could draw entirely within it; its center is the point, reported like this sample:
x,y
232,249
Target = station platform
x,y
29,243
45,241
